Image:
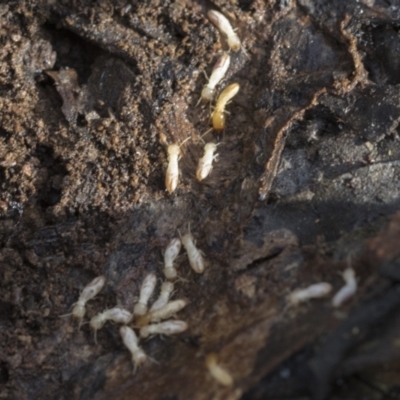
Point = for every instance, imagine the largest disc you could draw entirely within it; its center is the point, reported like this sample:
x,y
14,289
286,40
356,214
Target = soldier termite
x,y
220,374
131,341
314,291
166,290
90,291
116,314
205,163
348,290
146,290
164,312
164,328
218,116
172,174
194,254
171,252
217,75
224,26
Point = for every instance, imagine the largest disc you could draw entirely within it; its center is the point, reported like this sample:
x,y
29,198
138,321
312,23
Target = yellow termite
x,y
217,74
205,163
224,26
164,328
218,116
131,341
172,173
220,374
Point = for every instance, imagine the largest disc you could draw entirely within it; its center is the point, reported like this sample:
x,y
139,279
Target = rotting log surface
x,y
307,180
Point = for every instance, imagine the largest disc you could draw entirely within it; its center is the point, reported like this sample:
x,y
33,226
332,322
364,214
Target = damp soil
x,y
306,184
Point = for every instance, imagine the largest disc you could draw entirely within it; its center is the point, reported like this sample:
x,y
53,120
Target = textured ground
x,y
307,182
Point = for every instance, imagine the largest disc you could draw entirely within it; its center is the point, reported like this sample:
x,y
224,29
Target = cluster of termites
x,y
219,71
149,321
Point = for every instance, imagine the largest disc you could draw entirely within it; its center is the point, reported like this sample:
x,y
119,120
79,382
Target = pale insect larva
x,y
171,252
217,75
116,314
146,290
166,290
205,163
224,26
164,328
348,290
164,312
219,373
90,291
218,116
131,341
314,291
194,254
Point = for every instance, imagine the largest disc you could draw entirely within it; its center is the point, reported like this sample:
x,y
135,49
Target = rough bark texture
x,y
306,184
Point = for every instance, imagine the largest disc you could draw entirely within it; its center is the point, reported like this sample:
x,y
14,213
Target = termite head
x,y
207,94
79,311
210,147
140,309
97,322
187,238
174,150
234,42
170,273
218,120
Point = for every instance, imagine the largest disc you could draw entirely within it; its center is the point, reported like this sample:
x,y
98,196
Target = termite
x,y
348,290
131,341
172,174
224,26
164,328
194,254
90,291
220,374
171,252
166,290
217,74
116,314
218,116
164,312
205,163
314,291
146,290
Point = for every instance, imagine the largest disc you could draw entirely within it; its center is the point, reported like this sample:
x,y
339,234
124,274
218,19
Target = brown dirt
x,y
92,93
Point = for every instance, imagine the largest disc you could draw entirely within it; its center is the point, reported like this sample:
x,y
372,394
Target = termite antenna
x,y
64,315
188,138
95,337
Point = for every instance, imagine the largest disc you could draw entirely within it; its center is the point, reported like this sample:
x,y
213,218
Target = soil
x,y
306,184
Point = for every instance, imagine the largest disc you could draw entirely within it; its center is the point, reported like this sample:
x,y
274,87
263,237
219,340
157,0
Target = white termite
x,y
172,174
131,341
90,291
219,373
314,291
164,328
116,314
348,290
146,290
224,26
165,294
164,312
171,252
194,254
217,74
205,163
